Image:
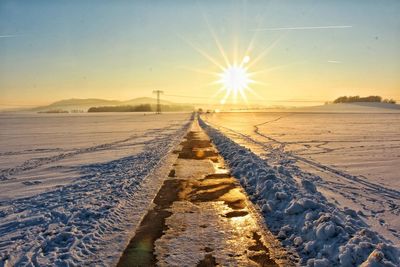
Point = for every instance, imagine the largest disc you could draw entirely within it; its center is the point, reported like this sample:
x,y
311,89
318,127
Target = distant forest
x,y
54,111
141,108
352,99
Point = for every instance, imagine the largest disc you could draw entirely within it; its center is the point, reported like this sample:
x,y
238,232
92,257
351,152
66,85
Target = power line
x,y
158,92
186,96
266,100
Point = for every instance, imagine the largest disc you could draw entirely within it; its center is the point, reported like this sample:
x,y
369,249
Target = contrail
x,y
8,36
304,28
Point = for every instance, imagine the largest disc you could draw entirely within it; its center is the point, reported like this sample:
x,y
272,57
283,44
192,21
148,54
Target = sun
x,y
234,76
235,80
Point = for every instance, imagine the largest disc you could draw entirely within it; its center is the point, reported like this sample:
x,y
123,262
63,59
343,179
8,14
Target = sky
x,y
315,50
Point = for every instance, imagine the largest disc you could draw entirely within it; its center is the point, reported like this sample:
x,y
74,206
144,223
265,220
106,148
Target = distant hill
x,y
85,104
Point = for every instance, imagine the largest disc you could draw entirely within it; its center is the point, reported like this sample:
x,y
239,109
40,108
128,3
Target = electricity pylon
x,y
158,92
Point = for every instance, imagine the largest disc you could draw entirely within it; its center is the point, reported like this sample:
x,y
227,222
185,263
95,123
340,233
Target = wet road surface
x,y
202,217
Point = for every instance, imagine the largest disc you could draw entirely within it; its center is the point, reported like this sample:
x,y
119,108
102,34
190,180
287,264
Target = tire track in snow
x,y
72,224
382,199
376,188
289,200
33,163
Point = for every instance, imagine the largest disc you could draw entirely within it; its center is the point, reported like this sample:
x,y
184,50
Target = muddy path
x,y
202,217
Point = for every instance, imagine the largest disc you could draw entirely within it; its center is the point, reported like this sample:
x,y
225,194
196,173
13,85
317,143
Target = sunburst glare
x,y
235,81
234,78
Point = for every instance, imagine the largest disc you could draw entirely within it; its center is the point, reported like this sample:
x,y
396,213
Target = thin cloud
x,y
304,28
334,61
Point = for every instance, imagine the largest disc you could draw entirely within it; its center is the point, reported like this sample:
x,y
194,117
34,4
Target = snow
x,y
323,232
74,187
352,159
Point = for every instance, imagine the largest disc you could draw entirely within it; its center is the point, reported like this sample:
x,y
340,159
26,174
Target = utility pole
x,y
158,92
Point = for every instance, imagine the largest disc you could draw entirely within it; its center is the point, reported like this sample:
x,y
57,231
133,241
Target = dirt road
x,y
201,217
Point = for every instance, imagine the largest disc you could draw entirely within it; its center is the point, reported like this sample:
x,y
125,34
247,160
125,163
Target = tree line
x,y
372,98
140,108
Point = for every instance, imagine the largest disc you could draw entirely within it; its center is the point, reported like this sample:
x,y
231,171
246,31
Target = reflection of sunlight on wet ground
x,y
204,217
199,153
195,227
214,218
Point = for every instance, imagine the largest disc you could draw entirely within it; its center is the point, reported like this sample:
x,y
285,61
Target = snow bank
x,y
301,217
87,222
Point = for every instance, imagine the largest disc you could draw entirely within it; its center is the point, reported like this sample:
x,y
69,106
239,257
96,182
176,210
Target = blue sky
x,y
51,50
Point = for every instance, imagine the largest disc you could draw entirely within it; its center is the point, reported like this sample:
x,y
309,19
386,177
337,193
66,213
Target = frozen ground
x,y
70,183
352,159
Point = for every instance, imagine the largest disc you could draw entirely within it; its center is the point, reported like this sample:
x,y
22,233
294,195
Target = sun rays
x,y
235,76
235,80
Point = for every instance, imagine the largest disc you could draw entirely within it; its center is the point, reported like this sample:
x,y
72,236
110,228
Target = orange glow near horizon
x,y
243,53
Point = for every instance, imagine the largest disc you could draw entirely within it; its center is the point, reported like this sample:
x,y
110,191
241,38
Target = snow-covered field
x,y
71,183
73,187
330,180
